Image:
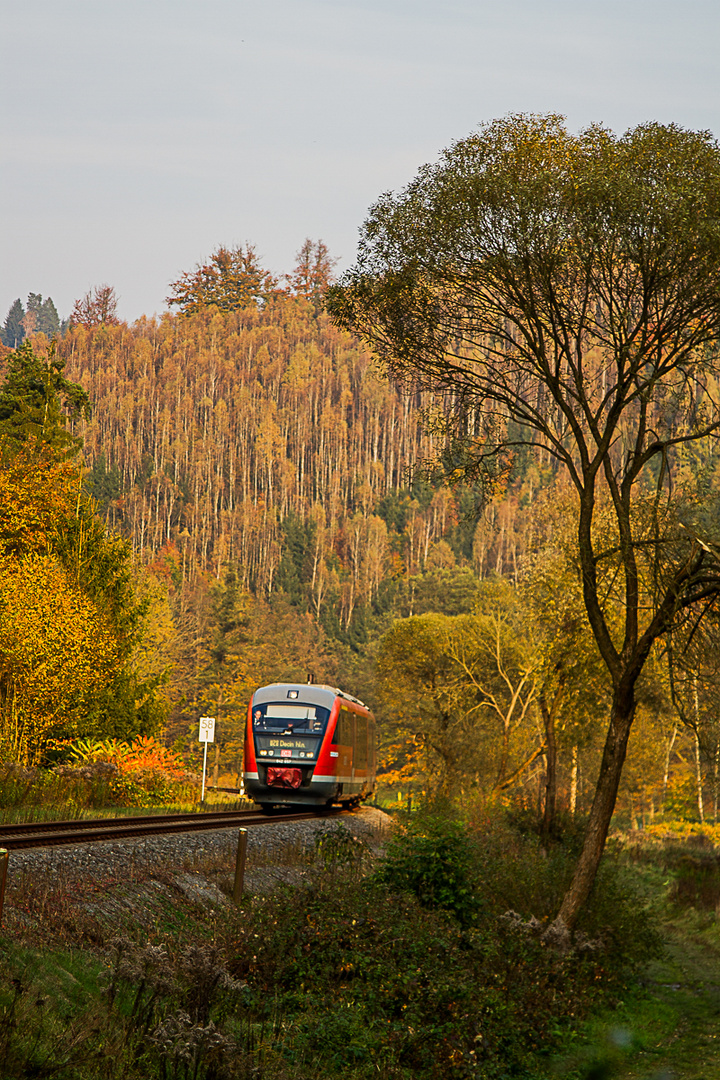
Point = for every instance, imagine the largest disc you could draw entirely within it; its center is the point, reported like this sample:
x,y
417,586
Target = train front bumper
x,y
318,791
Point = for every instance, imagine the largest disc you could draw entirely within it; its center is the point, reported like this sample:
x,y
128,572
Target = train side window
x,y
343,730
361,742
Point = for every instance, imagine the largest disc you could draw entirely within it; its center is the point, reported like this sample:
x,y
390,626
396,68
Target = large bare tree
x,y
562,292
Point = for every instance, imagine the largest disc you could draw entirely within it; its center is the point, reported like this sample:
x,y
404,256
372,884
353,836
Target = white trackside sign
x,y
207,729
206,734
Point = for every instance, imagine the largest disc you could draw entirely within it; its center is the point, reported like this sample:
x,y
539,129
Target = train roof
x,y
312,694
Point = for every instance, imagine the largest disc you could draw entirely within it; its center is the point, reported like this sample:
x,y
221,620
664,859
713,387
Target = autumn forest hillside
x,y
263,443
279,495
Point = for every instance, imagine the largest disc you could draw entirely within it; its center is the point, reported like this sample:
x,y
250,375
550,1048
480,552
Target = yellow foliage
x,y
54,648
35,492
402,762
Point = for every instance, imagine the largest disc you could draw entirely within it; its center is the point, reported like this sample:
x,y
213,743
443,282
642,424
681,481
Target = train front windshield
x,y
290,719
290,733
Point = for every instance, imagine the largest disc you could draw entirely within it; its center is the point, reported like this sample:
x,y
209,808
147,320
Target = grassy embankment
x,y
667,1025
50,795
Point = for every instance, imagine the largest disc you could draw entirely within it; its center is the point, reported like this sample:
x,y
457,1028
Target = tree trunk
x,y
548,716
666,773
574,781
698,764
621,718
698,779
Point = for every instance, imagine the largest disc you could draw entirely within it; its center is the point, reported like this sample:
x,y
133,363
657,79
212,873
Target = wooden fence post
x,y
240,866
4,857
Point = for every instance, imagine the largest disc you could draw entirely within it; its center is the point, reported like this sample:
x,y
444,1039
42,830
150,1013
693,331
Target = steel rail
x,y
70,824
95,830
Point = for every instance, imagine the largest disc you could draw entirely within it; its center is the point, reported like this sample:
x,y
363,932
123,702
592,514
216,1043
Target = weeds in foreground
x,y
387,972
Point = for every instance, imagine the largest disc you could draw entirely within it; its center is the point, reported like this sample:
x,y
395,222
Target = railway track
x,y
91,830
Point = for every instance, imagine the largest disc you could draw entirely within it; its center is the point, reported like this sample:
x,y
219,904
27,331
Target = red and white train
x,y
308,745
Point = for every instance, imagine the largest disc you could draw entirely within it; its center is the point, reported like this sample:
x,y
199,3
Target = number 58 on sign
x,y
207,729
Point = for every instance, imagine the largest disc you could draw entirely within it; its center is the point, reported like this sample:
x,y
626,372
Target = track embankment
x,y
91,830
199,862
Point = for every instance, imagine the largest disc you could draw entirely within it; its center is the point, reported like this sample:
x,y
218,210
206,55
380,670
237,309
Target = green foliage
x,y
300,414
341,978
152,1021
382,973
103,566
126,706
559,291
451,592
479,874
48,794
44,1030
339,847
42,316
665,1023
462,690
72,619
72,790
294,570
36,401
431,857
103,484
696,882
397,506
13,330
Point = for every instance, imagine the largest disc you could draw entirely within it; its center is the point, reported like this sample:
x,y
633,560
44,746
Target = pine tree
x,y
13,330
33,313
36,400
48,319
41,316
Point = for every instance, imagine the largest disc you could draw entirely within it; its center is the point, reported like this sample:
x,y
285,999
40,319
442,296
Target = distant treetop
x,y
97,307
41,317
13,330
313,271
233,278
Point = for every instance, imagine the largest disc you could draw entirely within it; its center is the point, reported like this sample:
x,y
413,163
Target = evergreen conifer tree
x,y
42,316
36,400
48,319
13,330
32,315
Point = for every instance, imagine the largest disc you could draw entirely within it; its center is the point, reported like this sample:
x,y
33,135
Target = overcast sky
x,y
137,135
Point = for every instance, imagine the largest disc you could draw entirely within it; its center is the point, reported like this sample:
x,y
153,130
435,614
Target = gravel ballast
x,y
180,853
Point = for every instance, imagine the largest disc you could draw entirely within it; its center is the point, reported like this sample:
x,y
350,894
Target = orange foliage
x,y
143,754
